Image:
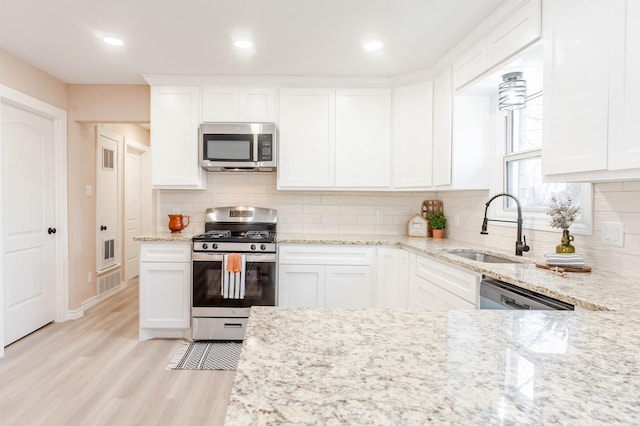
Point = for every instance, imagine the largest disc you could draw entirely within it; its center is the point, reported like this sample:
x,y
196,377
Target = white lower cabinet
x,y
317,275
165,289
436,286
392,278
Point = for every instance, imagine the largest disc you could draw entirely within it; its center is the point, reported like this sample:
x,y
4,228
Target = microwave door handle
x,y
255,147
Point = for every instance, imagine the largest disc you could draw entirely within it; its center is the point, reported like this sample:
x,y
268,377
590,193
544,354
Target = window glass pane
x,y
527,126
524,180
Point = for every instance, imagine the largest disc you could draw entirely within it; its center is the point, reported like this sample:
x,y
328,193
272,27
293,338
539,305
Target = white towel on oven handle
x,y
233,284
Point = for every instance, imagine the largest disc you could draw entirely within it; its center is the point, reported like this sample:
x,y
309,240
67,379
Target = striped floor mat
x,y
206,356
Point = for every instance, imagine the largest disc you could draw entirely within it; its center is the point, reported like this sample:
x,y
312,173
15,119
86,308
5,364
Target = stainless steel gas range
x,y
234,268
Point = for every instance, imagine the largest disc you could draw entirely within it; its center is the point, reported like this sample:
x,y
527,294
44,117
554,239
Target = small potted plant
x,y
438,222
563,214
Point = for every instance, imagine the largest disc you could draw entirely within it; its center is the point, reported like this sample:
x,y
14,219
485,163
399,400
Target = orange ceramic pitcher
x,y
176,222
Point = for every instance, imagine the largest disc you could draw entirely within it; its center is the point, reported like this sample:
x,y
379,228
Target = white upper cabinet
x,y
442,128
363,138
334,139
624,146
175,119
591,105
412,136
515,31
307,138
224,104
471,64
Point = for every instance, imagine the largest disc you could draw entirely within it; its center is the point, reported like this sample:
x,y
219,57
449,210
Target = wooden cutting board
x,y
563,268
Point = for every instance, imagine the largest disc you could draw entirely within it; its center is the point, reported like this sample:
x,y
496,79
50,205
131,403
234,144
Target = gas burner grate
x,y
216,234
255,235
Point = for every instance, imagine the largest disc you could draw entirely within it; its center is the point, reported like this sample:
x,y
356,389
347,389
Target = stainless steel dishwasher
x,y
496,294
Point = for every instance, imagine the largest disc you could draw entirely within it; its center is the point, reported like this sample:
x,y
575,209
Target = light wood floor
x,y
95,371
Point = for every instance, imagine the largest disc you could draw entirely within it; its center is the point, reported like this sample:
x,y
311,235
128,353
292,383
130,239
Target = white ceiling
x,y
194,37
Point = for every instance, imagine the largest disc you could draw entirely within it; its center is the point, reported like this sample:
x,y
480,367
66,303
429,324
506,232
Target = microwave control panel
x,y
265,147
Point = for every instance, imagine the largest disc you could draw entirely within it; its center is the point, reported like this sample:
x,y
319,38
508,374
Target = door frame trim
x,y
59,118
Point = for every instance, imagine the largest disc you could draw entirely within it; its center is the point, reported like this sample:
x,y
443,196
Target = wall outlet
x,y
89,277
613,233
176,210
379,216
88,190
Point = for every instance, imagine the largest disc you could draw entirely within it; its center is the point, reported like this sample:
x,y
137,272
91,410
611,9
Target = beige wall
x,y
82,208
88,105
31,81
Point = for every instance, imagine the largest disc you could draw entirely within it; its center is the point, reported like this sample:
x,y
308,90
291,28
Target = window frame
x,y
532,219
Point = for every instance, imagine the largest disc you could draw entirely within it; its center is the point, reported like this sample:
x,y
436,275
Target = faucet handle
x,y
524,247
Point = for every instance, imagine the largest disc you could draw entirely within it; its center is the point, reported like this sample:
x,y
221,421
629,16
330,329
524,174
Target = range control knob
x,y
253,246
204,246
263,247
215,246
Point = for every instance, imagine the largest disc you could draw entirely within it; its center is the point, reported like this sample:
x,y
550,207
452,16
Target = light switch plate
x,y
613,233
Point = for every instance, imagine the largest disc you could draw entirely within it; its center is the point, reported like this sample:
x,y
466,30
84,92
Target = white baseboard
x,y
79,313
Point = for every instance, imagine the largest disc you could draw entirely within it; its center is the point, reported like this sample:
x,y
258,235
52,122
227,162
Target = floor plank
x,y
95,371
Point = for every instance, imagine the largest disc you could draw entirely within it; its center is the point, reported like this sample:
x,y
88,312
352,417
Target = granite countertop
x,y
586,290
340,366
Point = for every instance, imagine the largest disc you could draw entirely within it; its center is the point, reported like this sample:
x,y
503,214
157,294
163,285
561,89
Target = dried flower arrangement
x,y
562,213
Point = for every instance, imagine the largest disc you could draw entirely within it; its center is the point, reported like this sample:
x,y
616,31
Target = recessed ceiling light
x,y
113,41
372,46
243,44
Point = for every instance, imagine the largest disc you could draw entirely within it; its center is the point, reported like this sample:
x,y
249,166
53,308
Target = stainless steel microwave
x,y
238,146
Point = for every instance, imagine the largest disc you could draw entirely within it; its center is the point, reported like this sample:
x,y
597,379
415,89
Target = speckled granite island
x,y
334,367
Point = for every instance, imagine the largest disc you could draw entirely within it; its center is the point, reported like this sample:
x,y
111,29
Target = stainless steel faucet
x,y
521,243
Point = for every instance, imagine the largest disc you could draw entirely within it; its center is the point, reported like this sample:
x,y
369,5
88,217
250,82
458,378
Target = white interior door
x,y
107,202
28,213
137,202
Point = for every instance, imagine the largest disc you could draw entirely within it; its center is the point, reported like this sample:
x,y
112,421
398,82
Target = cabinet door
x,y
307,138
256,105
220,104
165,295
471,64
392,278
363,138
442,128
624,145
301,286
515,32
349,287
576,85
428,296
412,136
175,119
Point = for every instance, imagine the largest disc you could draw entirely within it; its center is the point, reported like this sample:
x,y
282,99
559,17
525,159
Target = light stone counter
x,y
592,291
338,366
165,236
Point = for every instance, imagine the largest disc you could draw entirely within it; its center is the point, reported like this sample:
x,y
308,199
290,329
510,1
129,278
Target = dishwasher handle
x,y
508,301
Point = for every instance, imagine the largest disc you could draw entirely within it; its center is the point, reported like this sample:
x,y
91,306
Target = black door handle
x,y
103,228
51,231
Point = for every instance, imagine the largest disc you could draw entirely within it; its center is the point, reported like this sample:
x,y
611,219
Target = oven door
x,y
260,281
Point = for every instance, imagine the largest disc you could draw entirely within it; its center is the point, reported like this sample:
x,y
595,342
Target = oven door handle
x,y
249,257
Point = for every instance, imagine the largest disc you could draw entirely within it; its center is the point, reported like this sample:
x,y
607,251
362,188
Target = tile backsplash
x,y
386,213
333,212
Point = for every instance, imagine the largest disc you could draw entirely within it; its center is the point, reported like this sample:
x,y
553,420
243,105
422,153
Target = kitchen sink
x,y
479,256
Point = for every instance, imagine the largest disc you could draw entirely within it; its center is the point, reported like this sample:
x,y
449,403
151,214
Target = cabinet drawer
x,y
165,252
461,283
301,254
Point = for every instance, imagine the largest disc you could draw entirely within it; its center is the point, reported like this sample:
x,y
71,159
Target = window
x,y
521,174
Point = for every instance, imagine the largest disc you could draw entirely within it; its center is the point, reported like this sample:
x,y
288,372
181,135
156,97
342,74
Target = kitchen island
x,y
340,366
